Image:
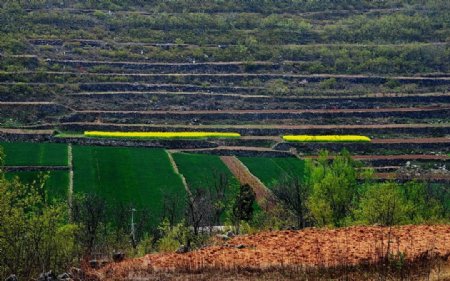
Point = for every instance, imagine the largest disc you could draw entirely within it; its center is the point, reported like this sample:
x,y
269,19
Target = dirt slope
x,y
309,248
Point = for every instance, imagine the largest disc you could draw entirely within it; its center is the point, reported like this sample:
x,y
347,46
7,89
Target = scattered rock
x,y
94,264
12,277
223,236
230,234
77,273
182,249
47,276
118,256
103,263
64,276
240,246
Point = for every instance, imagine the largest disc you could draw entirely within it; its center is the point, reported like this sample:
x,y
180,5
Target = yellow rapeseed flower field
x,y
161,135
327,138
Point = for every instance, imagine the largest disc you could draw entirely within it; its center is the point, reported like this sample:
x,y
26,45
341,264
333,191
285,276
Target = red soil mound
x,y
310,248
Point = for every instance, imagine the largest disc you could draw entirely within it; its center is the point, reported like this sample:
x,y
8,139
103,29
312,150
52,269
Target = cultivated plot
x,y
34,154
135,177
56,185
201,170
271,170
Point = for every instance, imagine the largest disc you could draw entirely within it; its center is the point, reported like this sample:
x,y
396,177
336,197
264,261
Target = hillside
x,y
134,129
282,67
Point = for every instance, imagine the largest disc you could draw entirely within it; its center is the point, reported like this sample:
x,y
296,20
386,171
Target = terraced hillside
x,y
267,69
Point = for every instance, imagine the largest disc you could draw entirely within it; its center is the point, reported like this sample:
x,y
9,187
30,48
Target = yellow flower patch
x,y
161,135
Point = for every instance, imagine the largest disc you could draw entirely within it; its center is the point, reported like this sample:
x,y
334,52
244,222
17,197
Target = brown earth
x,y
246,126
412,140
308,248
393,157
263,195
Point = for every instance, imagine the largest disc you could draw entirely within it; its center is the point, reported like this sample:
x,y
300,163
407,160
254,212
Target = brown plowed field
x,y
413,140
309,248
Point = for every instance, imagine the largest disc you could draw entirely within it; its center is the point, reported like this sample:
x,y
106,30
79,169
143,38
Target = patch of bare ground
x,y
25,132
412,140
428,176
263,195
394,157
309,254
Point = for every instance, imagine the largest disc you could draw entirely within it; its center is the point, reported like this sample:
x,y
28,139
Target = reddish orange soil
x,y
309,248
263,195
412,140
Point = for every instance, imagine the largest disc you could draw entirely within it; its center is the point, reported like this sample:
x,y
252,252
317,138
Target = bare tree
x,y
218,195
172,204
293,194
90,212
199,211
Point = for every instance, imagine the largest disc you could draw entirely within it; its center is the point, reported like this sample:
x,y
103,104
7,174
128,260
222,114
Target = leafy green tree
x,y
334,188
35,235
384,204
427,201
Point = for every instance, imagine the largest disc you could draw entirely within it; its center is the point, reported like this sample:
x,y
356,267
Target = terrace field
x,y
271,170
57,184
34,154
203,171
136,177
114,97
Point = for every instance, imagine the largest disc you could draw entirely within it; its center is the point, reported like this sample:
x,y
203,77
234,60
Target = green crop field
x,y
201,170
270,170
34,154
133,176
56,185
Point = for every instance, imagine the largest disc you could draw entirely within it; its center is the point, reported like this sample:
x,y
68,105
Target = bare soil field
x,y
308,248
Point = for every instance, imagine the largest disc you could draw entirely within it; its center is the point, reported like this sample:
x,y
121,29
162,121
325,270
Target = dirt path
x,y
253,96
264,196
244,75
412,140
70,164
272,111
266,126
44,41
26,131
29,103
177,171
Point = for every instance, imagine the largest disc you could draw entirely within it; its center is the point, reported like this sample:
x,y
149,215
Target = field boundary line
x,y
70,164
177,171
264,196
